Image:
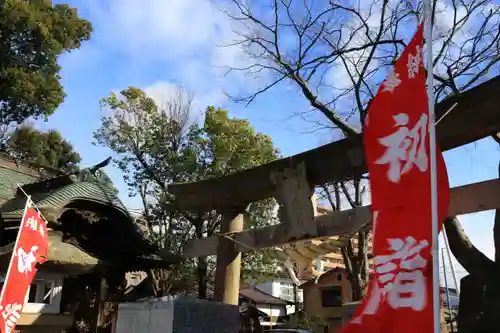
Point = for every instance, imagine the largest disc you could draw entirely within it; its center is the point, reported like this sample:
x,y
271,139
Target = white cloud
x,y
163,91
338,77
182,37
162,29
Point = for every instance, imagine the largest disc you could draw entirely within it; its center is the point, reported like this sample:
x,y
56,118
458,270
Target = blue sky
x,y
158,45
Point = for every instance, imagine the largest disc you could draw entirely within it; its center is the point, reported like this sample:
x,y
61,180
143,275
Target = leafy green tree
x,y
45,148
102,179
49,149
32,35
157,146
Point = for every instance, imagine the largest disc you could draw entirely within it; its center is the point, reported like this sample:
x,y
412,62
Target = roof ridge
x,y
257,295
254,287
61,172
65,178
32,165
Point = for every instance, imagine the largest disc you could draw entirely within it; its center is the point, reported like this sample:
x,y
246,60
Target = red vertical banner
x,y
31,248
396,140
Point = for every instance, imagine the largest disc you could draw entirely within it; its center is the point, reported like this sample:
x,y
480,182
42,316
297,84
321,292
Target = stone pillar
x,y
227,274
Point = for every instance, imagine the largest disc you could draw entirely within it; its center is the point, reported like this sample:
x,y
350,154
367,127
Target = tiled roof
x,y
322,276
47,192
253,294
258,296
61,197
10,178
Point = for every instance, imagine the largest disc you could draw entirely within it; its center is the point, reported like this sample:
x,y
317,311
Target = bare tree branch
x,y
356,42
338,56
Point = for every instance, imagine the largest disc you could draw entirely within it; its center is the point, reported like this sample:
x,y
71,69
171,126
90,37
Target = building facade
x,y
273,308
325,297
284,288
93,243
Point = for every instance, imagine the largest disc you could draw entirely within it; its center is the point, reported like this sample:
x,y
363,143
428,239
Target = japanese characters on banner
x,y
399,297
31,248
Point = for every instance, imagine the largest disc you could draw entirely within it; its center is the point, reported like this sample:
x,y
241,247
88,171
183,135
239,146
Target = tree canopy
x,y
48,149
45,148
32,35
157,146
338,53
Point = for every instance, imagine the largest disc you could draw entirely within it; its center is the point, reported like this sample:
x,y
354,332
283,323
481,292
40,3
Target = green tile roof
x,y
9,179
13,201
61,197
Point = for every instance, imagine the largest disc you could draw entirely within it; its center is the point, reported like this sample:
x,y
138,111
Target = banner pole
x,y
448,252
20,188
447,291
433,171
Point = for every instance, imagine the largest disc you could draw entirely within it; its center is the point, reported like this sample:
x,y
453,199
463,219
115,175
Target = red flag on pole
x,y
396,139
31,247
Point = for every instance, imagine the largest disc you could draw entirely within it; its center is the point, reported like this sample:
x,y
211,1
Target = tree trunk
x,y
202,277
473,260
356,262
84,297
480,291
356,266
295,298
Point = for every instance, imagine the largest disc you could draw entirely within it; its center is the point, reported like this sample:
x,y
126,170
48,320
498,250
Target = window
x,y
43,296
286,291
331,296
40,293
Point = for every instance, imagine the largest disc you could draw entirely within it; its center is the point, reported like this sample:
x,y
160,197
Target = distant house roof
x,y
322,209
451,290
322,276
256,295
253,294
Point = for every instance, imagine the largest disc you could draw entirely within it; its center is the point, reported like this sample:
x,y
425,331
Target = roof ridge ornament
x,y
64,179
94,169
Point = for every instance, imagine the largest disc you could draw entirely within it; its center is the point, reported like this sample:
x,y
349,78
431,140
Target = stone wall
x,y
178,316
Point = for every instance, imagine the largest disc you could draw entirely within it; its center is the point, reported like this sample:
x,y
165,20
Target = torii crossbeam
x,y
475,116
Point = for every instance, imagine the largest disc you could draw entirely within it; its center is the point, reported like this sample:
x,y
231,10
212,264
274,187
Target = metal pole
x,y
447,292
453,274
433,171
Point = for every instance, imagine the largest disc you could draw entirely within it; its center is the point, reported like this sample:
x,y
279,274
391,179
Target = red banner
x,y
396,139
31,247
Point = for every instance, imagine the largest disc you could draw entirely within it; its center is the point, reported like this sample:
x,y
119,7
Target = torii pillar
x,y
228,269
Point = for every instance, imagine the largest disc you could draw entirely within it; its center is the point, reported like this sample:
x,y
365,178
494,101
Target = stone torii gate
x,y
292,181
